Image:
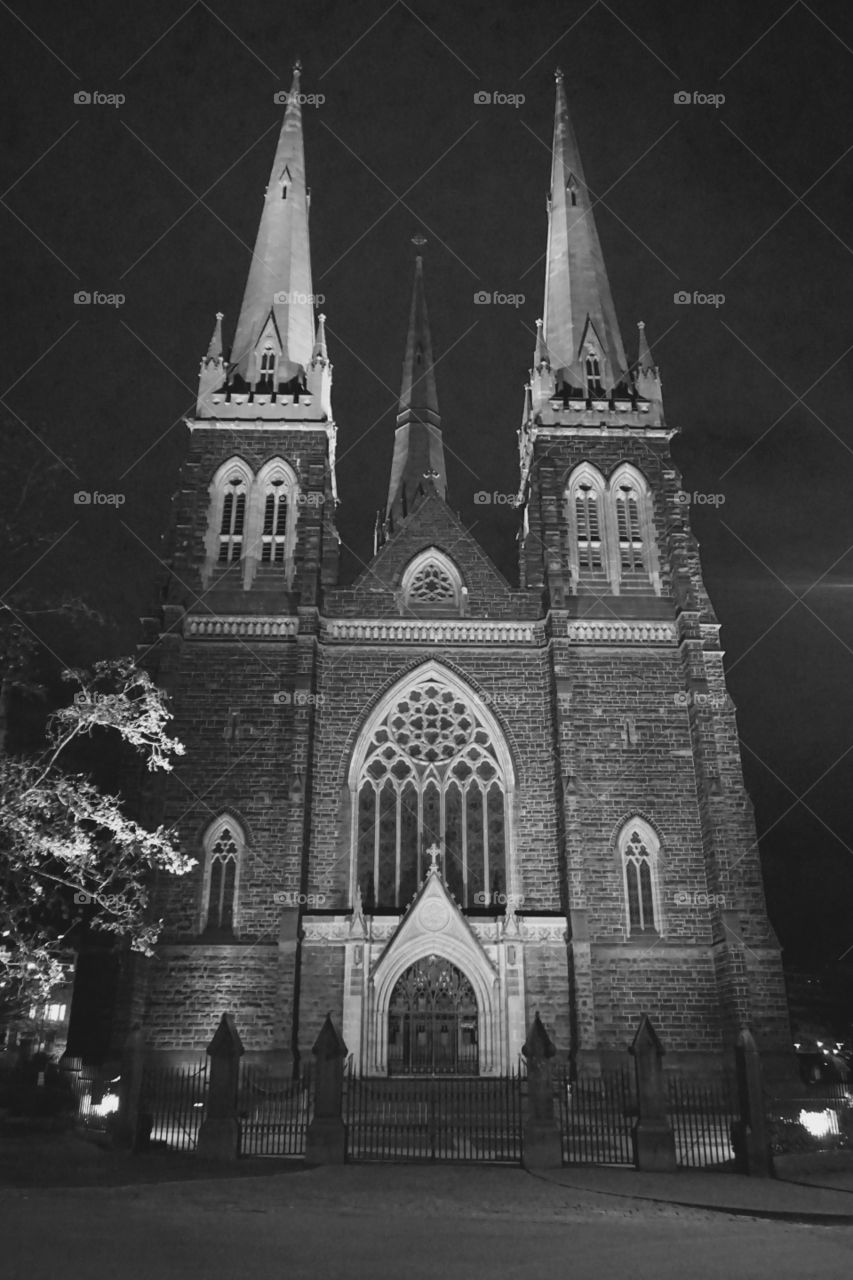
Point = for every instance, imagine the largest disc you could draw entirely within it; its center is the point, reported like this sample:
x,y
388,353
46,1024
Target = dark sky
x,y
158,200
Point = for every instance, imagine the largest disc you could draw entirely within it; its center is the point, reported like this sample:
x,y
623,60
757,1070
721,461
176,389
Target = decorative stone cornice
x,y
240,626
335,930
262,414
326,929
619,632
431,631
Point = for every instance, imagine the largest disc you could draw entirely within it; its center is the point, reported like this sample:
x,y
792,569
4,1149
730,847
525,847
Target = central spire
x,y
580,331
418,463
275,331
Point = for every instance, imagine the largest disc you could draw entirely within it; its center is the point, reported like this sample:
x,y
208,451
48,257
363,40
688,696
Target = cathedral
x,y
433,801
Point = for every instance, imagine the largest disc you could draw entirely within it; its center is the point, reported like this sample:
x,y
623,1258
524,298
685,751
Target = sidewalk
x,y
829,1200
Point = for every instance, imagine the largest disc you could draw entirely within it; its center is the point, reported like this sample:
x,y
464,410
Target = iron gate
x,y
173,1098
596,1116
701,1113
476,1119
274,1113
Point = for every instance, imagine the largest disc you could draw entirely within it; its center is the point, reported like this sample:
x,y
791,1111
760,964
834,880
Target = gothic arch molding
x,y
392,684
432,753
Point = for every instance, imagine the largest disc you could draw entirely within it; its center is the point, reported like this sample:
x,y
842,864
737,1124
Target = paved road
x,y
393,1222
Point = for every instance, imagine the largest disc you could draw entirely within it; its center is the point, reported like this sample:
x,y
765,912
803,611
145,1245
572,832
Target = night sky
x,y
158,200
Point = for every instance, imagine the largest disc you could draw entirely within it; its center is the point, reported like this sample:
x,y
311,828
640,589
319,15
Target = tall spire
x,y
418,463
277,311
580,319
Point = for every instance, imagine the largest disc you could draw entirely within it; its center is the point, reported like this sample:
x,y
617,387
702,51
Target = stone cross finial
x,y
434,852
419,240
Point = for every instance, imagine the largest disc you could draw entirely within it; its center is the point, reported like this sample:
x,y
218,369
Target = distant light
x,y
820,1044
198,1104
797,1044
107,1105
819,1123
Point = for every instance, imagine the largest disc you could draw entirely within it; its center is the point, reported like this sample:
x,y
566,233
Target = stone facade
x,y
597,685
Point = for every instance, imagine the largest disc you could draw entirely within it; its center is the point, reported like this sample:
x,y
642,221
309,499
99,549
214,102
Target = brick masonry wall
x,y
675,987
546,977
190,988
432,523
321,991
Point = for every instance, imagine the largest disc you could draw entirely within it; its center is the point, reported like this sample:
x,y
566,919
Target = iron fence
x,y
173,1099
274,1113
450,1118
701,1113
596,1115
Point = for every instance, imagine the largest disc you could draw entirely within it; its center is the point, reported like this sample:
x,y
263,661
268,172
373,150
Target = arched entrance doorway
x,y
432,1021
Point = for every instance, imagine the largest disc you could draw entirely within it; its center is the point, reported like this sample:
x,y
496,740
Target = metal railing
x,y
274,1113
173,1099
450,1118
701,1113
596,1115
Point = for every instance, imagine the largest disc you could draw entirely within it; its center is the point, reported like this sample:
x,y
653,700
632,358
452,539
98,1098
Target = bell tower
x,y
256,532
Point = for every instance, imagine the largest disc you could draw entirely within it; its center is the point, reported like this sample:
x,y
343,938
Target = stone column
x,y
542,1146
654,1141
749,1133
128,1131
327,1134
219,1135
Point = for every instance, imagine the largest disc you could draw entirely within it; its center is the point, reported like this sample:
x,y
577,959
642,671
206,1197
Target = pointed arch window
x,y
588,517
224,844
592,370
588,526
267,365
274,536
227,519
639,850
631,550
572,188
431,768
635,561
432,584
232,522
272,518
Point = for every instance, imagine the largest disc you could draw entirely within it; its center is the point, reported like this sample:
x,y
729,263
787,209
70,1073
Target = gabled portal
x,y
433,1000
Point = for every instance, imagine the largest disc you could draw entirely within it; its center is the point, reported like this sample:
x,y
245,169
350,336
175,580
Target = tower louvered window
x,y
588,518
431,774
223,850
233,521
274,536
639,888
630,533
267,364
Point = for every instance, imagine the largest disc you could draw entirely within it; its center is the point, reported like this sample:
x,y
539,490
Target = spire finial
x,y
214,350
644,354
419,239
417,445
277,305
578,304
